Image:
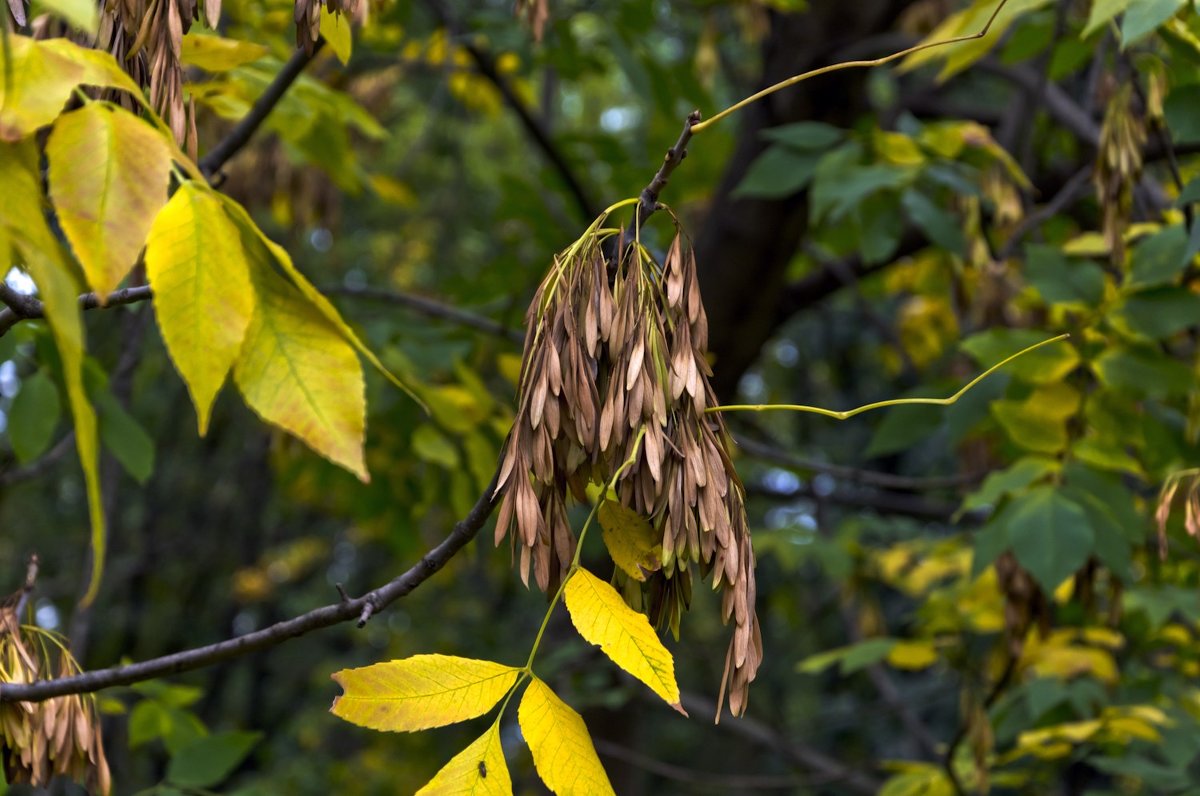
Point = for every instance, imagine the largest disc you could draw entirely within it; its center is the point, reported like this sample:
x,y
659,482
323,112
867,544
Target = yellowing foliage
x,y
478,770
562,749
420,692
631,540
297,372
202,291
21,213
108,180
602,617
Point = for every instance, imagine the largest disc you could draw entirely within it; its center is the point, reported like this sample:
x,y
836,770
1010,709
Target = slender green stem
x,y
816,410
537,641
791,81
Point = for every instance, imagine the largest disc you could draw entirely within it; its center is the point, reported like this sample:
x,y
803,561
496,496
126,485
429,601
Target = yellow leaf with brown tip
x,y
623,634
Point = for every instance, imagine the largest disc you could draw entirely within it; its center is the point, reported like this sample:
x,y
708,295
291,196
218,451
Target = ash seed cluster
x,y
608,356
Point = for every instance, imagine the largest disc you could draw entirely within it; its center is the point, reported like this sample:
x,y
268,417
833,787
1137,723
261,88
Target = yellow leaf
x,y
912,655
602,617
41,82
296,371
21,212
420,692
630,539
562,749
108,179
218,54
99,67
478,770
336,30
203,296
319,302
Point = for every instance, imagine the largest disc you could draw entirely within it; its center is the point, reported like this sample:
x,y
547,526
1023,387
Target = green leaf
x,y
125,437
601,616
1144,16
1143,370
942,227
1112,544
203,296
208,761
1046,365
837,191
903,427
1102,12
1005,482
1160,258
432,446
1050,535
420,692
84,15
1159,312
1039,423
336,30
21,212
478,770
108,180
805,136
1182,109
631,540
34,416
1190,194
778,172
297,371
217,53
850,658
1063,280
879,228
562,750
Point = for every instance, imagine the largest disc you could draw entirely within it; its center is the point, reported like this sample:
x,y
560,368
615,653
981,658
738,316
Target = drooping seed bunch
x,y
614,353
58,737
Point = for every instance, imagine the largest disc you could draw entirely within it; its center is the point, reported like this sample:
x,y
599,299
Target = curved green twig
x,y
817,410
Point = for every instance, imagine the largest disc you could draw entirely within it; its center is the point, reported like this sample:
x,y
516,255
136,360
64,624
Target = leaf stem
x,y
846,415
527,669
791,81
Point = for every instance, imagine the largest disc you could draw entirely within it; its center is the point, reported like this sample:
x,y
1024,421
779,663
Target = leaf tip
x,y
678,706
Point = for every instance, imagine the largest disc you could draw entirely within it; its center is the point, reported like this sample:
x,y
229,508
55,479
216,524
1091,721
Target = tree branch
x,y
241,133
30,307
831,770
342,611
430,308
648,200
533,126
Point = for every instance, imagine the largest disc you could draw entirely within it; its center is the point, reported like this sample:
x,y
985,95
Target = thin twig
x,y
769,453
38,467
342,611
31,573
33,308
866,64
852,779
648,201
1065,196
241,133
537,131
725,783
430,308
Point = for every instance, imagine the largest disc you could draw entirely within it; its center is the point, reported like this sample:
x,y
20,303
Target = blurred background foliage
x,y
953,600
